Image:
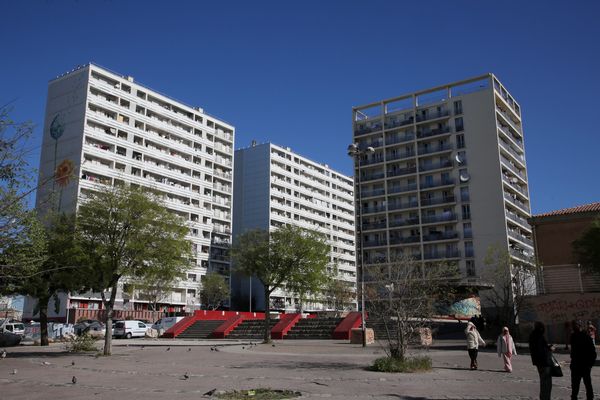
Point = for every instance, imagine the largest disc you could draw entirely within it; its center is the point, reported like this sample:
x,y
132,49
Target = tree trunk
x,y
43,306
267,333
109,316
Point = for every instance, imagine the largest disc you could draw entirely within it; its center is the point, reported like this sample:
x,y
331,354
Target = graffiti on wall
x,y
464,308
562,307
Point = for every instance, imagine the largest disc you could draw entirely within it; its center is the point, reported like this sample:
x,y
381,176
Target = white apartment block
x,y
275,186
447,178
114,130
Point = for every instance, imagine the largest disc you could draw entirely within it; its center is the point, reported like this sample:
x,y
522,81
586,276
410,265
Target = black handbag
x,y
555,369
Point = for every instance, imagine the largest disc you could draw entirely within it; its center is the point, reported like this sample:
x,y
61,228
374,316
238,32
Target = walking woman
x,y
473,341
541,357
506,348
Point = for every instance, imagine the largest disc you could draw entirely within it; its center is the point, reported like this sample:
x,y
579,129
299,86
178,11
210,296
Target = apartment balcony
x,y
513,168
437,200
222,188
518,236
434,237
445,217
405,240
402,206
400,189
434,149
507,118
395,124
521,254
519,157
404,222
372,176
518,203
373,209
371,161
219,257
431,116
436,255
220,242
437,183
372,193
433,132
399,156
368,129
517,219
366,226
511,136
469,253
401,171
514,185
399,138
374,243
467,233
437,165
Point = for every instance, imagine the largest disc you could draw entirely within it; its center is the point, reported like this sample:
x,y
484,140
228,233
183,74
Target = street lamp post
x,y
355,152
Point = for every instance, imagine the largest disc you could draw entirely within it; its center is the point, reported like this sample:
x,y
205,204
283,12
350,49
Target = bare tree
x,y
339,294
512,281
214,290
402,297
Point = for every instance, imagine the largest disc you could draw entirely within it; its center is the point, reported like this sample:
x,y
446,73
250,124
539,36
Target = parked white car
x,y
129,329
12,326
165,323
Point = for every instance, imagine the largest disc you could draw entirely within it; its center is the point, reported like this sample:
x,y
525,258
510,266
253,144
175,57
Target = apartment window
x,y
468,249
458,124
466,211
468,232
460,141
458,107
464,193
192,277
470,267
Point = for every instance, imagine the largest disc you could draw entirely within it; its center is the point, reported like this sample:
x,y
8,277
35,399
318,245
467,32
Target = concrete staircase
x,y
250,329
200,330
379,328
313,328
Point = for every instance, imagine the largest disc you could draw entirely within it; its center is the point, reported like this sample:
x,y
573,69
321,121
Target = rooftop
x,y
586,208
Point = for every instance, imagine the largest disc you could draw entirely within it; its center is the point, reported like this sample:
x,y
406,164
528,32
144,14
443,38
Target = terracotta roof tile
x,y
586,208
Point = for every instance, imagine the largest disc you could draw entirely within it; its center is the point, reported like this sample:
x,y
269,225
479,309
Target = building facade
x,y
447,179
554,233
274,186
106,129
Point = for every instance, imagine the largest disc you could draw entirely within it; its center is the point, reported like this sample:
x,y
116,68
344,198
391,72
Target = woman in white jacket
x,y
473,341
506,349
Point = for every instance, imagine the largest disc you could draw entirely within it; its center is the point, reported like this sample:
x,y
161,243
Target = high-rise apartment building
x,y
274,186
108,130
447,178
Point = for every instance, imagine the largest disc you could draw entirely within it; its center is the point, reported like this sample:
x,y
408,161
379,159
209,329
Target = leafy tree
x,y
214,291
512,282
339,294
22,242
128,234
402,297
289,257
156,285
587,248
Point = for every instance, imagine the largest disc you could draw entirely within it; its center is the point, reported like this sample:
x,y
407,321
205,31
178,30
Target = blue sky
x,y
290,72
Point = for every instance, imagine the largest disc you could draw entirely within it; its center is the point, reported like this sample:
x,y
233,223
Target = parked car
x,y
166,322
12,326
88,325
129,329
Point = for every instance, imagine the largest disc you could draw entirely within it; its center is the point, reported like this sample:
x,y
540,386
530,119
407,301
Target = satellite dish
x,y
464,177
459,159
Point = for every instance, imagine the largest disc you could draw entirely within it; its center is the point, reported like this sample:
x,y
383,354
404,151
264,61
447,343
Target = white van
x,y
15,327
129,329
165,323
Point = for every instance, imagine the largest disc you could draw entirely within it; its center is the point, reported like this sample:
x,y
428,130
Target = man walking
x,y
541,357
583,356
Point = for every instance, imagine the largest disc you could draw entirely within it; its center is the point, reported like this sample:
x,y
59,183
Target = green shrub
x,y
82,343
408,364
259,394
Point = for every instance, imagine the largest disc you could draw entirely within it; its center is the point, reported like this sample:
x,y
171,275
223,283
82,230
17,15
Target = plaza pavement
x,y
319,369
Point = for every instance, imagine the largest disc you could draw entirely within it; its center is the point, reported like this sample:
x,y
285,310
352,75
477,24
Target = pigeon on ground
x,y
210,392
72,363
74,380
169,348
273,345
243,348
189,349
14,371
143,347
186,376
3,354
45,363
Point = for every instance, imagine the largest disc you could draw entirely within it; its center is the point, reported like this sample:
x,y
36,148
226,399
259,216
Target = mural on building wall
x,y
468,307
555,308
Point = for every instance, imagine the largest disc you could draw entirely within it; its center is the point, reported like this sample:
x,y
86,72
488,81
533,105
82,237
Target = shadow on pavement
x,y
307,365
